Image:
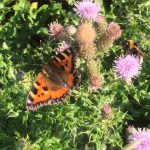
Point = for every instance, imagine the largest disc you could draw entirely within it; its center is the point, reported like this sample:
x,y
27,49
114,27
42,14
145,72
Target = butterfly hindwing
x,y
55,82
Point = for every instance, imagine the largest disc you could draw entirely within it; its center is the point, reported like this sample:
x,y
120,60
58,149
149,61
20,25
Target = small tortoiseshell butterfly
x,y
54,82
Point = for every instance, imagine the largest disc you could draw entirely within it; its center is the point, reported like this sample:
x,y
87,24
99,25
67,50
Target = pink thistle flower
x,y
62,46
87,9
113,31
127,67
142,135
55,29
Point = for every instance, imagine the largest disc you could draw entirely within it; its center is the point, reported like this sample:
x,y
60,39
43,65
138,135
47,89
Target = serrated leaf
x,y
43,31
42,8
5,46
11,72
13,114
34,5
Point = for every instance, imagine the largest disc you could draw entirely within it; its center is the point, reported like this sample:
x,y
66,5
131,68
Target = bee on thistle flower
x,y
132,47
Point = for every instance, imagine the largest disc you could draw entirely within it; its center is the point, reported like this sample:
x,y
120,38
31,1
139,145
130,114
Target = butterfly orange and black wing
x,y
54,82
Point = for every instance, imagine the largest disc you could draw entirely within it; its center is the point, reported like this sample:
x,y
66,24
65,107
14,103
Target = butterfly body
x,y
54,75
54,82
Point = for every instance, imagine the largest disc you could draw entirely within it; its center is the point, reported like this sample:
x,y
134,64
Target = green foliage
x,y
80,122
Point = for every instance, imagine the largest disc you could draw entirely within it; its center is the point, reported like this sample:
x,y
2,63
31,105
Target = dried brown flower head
x,y
85,33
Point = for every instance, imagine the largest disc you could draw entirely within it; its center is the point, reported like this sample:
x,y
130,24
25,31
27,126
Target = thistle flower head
x,y
127,67
107,109
113,31
55,28
100,19
144,136
101,24
85,33
88,51
87,9
96,82
62,46
104,43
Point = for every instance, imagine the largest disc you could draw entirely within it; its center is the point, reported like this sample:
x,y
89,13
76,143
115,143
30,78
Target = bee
x,y
132,47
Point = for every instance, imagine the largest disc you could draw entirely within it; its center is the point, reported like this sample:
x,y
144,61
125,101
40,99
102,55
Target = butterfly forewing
x,y
64,61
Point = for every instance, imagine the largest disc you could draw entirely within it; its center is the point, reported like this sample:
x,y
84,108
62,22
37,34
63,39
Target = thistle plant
x,y
92,35
93,25
107,35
